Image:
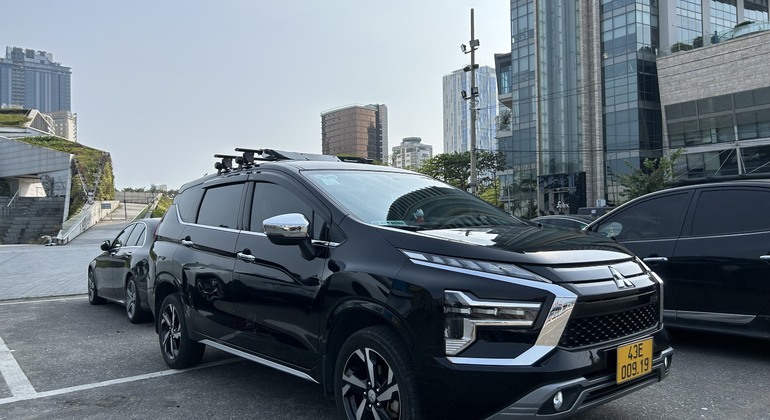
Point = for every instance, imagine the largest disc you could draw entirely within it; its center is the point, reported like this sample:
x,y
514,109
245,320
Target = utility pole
x,y
474,45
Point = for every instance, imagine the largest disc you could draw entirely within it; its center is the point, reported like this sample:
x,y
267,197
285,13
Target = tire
x,y
133,304
93,297
177,349
389,390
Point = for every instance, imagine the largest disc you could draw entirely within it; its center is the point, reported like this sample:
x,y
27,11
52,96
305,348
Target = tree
x,y
652,176
455,169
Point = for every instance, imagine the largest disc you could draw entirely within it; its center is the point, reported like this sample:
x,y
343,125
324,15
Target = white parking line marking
x,y
11,371
19,302
36,395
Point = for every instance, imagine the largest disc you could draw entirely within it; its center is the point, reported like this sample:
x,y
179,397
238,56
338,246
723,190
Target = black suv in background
x,y
710,243
402,296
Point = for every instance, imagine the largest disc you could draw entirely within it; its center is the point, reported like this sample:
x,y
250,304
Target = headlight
x,y
464,313
491,267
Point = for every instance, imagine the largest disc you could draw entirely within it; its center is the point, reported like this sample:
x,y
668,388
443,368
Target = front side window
x,y
721,212
406,200
271,200
220,206
656,218
122,239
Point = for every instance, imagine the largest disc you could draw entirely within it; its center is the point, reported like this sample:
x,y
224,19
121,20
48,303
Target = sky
x,y
165,85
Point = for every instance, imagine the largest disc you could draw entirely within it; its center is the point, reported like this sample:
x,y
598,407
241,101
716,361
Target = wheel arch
x,y
346,319
164,286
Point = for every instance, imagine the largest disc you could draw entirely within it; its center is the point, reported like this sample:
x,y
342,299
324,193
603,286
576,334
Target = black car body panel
x,y
126,256
710,243
292,303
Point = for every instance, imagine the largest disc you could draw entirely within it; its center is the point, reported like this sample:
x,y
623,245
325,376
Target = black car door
x,y
208,253
111,268
721,272
124,258
649,227
275,286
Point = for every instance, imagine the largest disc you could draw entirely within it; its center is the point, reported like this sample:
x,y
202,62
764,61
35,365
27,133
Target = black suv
x,y
710,243
402,296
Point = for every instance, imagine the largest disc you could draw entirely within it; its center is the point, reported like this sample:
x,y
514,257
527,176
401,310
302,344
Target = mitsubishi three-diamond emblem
x,y
620,280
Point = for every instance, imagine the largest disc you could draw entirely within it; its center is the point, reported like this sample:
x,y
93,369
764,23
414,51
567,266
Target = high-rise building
x,y
356,130
65,124
31,79
716,111
410,154
581,88
457,126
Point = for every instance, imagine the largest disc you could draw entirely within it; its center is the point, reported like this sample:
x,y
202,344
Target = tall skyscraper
x,y
356,130
410,154
581,86
31,79
457,127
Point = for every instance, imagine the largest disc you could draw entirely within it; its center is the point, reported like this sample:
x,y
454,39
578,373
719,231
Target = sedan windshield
x,y
407,200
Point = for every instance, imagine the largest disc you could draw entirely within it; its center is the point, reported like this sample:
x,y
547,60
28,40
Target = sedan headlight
x,y
464,313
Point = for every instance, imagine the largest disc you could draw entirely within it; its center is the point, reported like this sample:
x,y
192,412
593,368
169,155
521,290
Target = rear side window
x,y
722,212
655,218
137,236
220,206
187,203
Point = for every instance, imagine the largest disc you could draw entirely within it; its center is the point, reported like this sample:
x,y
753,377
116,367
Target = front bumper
x,y
582,393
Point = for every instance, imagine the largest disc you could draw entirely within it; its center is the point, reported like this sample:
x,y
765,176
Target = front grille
x,y
617,318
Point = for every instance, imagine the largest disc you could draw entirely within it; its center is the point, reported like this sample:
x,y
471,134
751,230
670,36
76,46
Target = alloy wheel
x,y
131,299
170,331
370,390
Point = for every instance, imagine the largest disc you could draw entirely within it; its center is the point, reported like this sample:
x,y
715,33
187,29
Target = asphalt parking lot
x,y
61,357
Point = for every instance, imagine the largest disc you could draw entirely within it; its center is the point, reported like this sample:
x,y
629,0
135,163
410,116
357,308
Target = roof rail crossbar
x,y
225,165
355,159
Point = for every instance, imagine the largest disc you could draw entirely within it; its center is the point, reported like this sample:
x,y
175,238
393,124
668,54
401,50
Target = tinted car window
x,y
731,211
406,199
137,235
187,203
220,206
658,217
271,200
122,239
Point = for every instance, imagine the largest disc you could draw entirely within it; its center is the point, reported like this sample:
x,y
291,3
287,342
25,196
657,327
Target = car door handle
x,y
765,258
655,259
128,254
246,257
187,242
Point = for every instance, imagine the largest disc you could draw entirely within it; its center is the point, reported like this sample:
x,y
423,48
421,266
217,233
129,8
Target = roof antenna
x,y
225,165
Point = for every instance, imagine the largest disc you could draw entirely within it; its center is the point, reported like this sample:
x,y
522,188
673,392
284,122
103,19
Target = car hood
x,y
528,244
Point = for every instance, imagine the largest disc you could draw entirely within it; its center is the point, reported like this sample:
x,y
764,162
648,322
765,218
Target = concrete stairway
x,y
30,218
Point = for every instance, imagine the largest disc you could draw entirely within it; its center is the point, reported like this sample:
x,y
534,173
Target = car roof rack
x,y
225,165
249,158
355,159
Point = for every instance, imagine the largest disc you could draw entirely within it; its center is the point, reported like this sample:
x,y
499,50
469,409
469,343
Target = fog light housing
x,y
558,401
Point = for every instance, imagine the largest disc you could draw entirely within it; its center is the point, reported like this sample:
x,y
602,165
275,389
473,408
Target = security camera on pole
x,y
474,45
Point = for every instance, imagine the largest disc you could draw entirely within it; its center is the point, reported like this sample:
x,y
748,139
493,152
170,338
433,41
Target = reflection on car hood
x,y
539,245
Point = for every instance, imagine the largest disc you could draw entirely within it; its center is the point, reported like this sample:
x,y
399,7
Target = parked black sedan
x,y
710,243
119,274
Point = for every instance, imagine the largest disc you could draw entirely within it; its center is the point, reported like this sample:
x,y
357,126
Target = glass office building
x,y
582,92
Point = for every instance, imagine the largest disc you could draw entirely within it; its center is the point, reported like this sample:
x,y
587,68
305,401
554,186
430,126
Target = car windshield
x,y
407,200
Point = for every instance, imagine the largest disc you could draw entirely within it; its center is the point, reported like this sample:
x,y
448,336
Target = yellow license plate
x,y
634,360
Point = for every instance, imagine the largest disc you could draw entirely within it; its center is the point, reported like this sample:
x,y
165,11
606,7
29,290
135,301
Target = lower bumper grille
x,y
601,321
